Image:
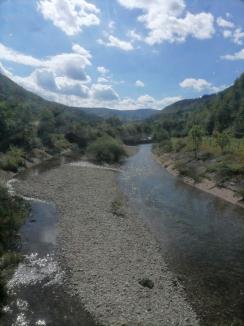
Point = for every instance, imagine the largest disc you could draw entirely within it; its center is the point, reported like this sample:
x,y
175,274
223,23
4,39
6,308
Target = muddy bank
x,y
113,260
207,185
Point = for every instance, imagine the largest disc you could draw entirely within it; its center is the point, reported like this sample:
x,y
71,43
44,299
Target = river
x,y
201,237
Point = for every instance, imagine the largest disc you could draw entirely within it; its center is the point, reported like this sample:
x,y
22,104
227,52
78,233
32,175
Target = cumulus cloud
x,y
102,70
134,36
71,65
236,35
70,87
103,92
71,16
45,79
236,56
8,54
167,20
139,83
225,23
200,85
102,80
115,42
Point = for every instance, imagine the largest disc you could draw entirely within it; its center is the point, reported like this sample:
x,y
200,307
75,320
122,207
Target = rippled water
x,y
37,293
201,237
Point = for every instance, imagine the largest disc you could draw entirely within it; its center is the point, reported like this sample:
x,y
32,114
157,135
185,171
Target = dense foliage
x,y
106,150
219,112
31,126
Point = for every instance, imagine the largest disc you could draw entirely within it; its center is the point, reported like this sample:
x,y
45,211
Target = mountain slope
x,y
221,111
11,92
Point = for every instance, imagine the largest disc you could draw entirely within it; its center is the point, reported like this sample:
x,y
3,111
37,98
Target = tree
x,y
196,135
222,140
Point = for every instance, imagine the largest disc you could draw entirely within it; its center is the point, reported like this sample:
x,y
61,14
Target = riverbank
x,y
114,264
209,185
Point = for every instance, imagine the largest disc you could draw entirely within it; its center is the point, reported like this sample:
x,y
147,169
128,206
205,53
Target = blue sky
x,y
123,54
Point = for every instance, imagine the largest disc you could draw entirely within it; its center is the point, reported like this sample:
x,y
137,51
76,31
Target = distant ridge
x,y
10,91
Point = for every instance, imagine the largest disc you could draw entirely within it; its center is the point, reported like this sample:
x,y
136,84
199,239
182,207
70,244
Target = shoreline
x,y
205,185
109,250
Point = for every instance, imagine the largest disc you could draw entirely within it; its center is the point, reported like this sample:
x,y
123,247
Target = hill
x,y
220,112
10,91
124,115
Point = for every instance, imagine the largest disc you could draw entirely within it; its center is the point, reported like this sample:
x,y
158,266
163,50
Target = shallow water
x,y
201,237
37,293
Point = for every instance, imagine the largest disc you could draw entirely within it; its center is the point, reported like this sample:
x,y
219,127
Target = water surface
x,y
201,237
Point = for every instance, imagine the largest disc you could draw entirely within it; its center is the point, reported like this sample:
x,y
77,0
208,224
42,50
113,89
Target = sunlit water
x,y
201,237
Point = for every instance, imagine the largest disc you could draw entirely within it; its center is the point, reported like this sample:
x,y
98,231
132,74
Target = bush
x,y
165,146
106,150
186,171
179,145
13,159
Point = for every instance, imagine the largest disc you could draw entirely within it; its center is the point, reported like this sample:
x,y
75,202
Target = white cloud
x,y
115,42
70,87
236,56
238,35
102,70
61,78
71,16
103,92
71,65
227,33
200,85
139,83
134,36
111,25
167,20
45,79
102,80
17,57
5,71
224,23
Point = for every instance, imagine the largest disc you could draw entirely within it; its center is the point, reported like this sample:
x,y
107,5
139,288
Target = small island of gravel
x,y
114,262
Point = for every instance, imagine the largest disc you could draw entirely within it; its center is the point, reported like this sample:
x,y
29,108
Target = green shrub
x,y
186,171
106,150
165,146
13,159
179,144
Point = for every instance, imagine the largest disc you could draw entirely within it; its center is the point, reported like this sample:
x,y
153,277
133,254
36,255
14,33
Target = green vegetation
x,y
31,125
196,135
106,150
221,112
205,136
12,215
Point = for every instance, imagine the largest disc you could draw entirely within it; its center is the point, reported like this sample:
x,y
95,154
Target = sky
x,y
122,54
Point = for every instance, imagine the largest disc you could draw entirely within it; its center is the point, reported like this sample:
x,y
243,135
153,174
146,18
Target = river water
x,y
201,237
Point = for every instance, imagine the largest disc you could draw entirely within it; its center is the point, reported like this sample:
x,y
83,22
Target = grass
x,y
13,211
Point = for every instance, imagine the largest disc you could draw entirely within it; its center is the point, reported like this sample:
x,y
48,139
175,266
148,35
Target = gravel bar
x,y
114,262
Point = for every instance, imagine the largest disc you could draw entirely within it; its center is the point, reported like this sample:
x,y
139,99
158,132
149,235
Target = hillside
x,y
217,112
10,91
124,115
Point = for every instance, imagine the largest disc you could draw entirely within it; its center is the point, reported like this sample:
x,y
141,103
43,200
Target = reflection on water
x,y
37,293
201,237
